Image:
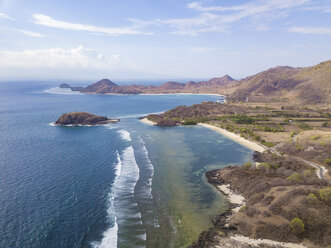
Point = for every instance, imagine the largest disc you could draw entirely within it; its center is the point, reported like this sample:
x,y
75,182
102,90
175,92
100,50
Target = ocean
x,y
117,185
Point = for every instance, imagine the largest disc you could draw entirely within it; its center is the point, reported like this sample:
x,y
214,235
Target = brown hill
x,y
102,86
171,86
310,85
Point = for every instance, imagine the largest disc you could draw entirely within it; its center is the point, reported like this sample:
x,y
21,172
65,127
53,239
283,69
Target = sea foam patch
x,y
62,91
125,135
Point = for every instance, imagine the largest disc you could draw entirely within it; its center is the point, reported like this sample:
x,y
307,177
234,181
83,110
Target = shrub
x,y
315,137
297,226
328,161
304,126
243,209
293,133
189,122
242,119
324,124
265,165
294,177
311,198
325,195
247,165
308,173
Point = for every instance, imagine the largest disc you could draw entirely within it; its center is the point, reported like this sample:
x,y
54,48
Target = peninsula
x,y
282,199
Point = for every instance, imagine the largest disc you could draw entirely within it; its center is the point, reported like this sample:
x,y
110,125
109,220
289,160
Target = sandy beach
x,y
235,137
164,94
146,121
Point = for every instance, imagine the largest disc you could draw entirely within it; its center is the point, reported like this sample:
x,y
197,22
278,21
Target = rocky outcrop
x,y
65,86
83,118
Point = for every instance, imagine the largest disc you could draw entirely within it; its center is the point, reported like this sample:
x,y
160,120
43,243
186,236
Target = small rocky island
x,y
83,118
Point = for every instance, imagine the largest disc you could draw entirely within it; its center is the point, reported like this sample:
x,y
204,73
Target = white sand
x,y
146,121
232,197
259,242
235,137
201,94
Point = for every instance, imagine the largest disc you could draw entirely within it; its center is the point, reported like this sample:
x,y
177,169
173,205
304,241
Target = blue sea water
x,y
118,185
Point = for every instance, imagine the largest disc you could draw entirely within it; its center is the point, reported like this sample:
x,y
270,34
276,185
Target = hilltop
x,y
309,85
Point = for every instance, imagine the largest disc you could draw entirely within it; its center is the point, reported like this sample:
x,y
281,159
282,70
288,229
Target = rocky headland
x,y
286,205
83,118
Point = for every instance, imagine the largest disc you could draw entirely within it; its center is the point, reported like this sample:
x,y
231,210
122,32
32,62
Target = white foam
x,y
62,91
139,115
127,175
110,236
149,181
110,126
125,135
142,236
150,167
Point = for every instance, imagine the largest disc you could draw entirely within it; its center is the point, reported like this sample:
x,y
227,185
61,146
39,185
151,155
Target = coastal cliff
x,y
83,118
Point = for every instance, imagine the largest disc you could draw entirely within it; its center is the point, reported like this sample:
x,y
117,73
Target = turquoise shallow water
x,y
126,185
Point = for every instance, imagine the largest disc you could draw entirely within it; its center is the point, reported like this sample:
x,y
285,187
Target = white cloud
x,y
5,16
253,7
79,57
327,11
50,22
202,49
58,63
29,33
258,12
311,30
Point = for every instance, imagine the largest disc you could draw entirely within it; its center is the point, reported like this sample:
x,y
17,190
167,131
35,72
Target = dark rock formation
x,y
65,86
83,118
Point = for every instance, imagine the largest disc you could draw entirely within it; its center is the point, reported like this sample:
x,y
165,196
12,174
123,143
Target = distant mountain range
x,y
309,85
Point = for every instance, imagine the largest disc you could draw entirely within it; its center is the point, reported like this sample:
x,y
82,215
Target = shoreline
x,y
128,94
235,137
232,238
148,122
157,94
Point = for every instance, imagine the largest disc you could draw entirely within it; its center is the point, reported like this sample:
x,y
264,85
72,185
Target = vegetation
x,y
294,177
297,226
242,119
304,126
286,192
248,165
325,195
312,198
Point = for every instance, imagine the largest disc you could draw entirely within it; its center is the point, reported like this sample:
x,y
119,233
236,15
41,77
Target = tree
x,y
297,226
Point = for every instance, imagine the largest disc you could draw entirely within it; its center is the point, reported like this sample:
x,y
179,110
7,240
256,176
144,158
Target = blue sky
x,y
159,39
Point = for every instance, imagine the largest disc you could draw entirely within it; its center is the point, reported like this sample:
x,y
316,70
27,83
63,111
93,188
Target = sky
x,y
159,39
